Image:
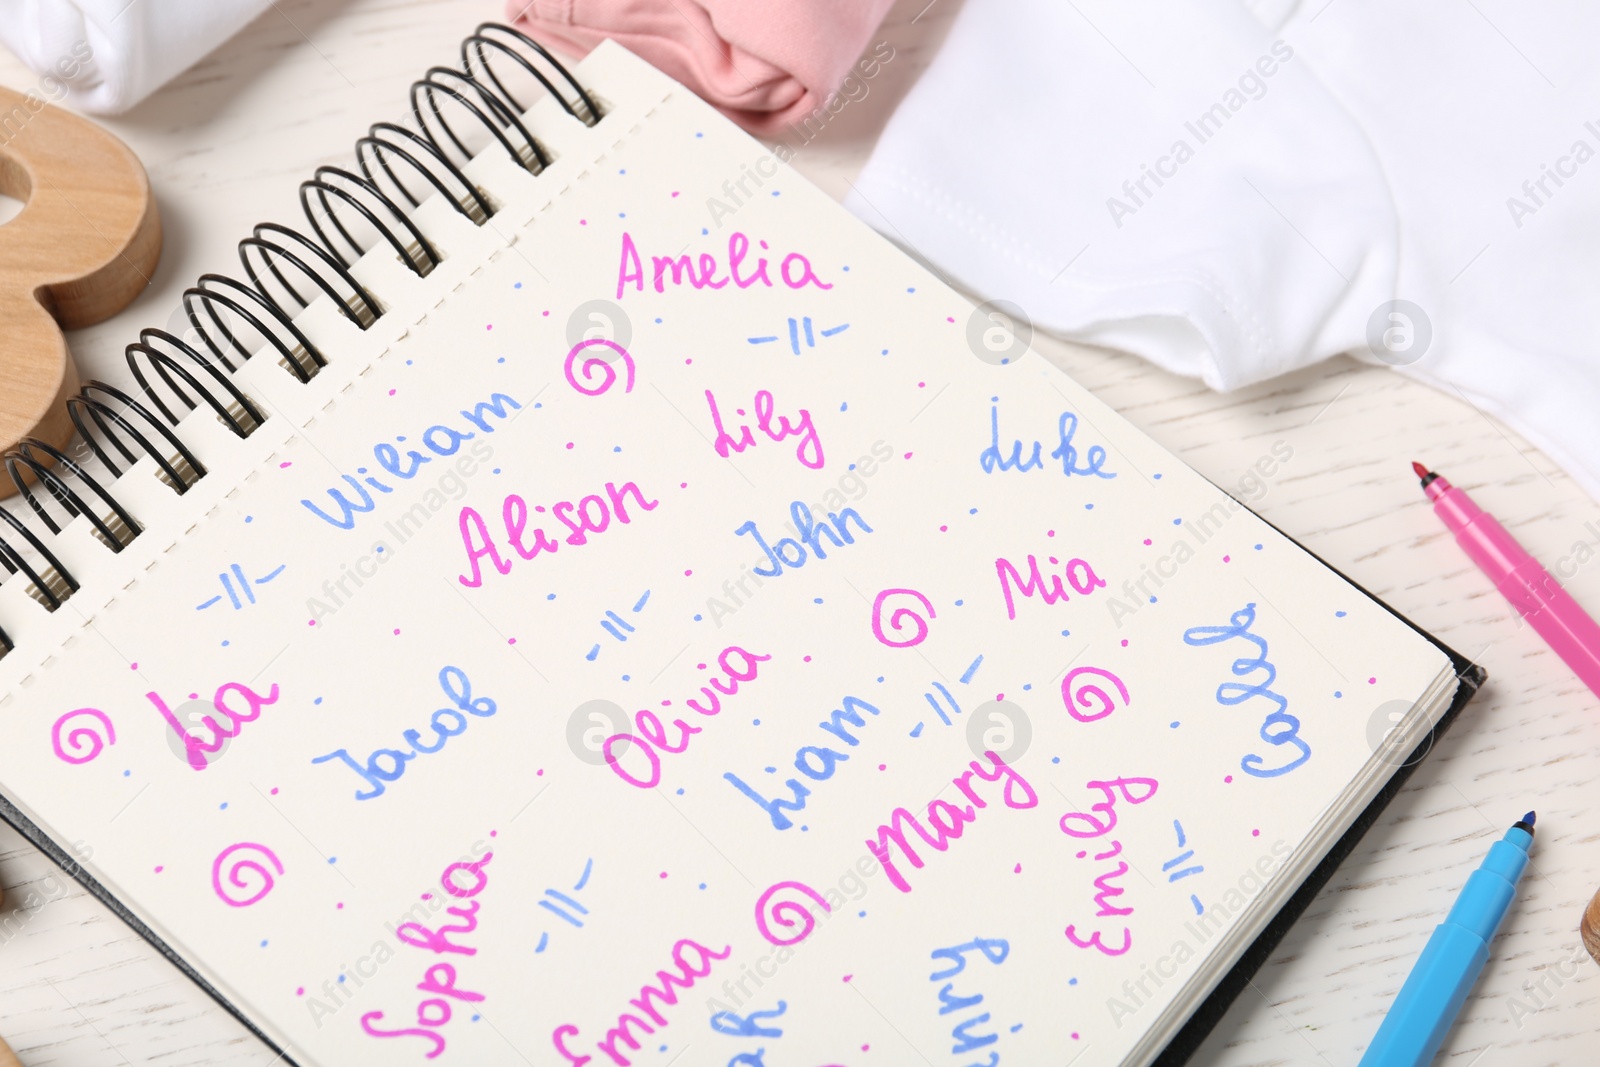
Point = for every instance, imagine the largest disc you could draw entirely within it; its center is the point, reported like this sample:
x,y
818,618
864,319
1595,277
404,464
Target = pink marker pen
x,y
1539,598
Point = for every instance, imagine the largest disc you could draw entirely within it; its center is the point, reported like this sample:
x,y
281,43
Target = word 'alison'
x,y
794,270
592,514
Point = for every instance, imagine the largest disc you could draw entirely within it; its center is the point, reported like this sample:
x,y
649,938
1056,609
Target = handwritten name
x,y
694,962
702,273
808,451
993,459
592,514
462,881
995,950
947,820
386,765
738,666
816,762
1279,727
1079,574
438,439
196,746
1088,825
795,552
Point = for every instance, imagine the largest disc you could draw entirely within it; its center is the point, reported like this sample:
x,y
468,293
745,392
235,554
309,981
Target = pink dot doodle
x,y
274,790
1017,869
902,617
391,392
1147,540
1372,681
595,375
847,978
88,732
687,573
1228,779
1124,642
908,455
1255,833
1227,559
300,992
674,194
259,866
663,874
944,529
397,631
285,465
159,868
133,666
789,914
489,326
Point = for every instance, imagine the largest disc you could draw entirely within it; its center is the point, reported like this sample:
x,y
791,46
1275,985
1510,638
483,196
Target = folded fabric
x,y
1236,190
107,55
766,65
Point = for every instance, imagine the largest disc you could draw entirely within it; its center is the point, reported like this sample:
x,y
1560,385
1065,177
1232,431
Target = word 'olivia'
x,y
737,666
948,821
590,515
1279,727
693,961
440,978
440,440
385,765
794,270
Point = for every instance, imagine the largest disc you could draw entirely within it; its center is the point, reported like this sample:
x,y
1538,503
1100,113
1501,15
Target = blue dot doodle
x,y
551,596
126,773
1055,759
1258,548
518,285
702,885
755,722
263,944
1177,522
317,701
772,770
1157,477
1338,614
333,859
1174,726
1088,507
972,511
911,288
223,806
502,359
225,644
616,448
1152,600
627,677
658,322
680,790
960,602
249,518
697,618
1337,695
816,600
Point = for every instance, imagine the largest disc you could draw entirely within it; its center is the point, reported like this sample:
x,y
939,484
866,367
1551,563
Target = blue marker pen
x,y
1444,974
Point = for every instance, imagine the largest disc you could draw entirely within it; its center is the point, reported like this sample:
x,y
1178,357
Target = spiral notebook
x,y
587,599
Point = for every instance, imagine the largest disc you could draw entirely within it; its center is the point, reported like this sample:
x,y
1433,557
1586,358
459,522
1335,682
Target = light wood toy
x,y
1590,928
85,244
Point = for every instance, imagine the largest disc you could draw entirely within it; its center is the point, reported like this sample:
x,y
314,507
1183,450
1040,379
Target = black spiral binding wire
x,y
395,168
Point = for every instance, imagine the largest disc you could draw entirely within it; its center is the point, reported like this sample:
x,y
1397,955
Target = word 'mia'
x,y
794,270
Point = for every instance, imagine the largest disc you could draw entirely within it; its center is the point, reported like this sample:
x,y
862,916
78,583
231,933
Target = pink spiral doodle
x,y
1090,695
593,365
787,914
239,873
898,616
83,741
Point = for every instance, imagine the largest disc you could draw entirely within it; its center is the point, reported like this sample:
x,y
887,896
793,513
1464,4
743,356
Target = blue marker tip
x,y
1530,818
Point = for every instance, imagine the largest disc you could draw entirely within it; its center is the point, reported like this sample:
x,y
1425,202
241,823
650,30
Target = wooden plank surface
x,y
226,146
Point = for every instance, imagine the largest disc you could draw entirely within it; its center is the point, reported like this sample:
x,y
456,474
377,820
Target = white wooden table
x,y
227,145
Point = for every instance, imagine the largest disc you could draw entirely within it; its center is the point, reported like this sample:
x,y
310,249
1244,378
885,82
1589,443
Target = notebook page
x,y
791,673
